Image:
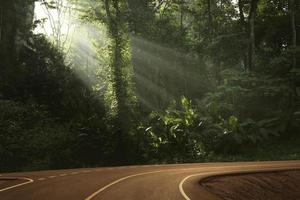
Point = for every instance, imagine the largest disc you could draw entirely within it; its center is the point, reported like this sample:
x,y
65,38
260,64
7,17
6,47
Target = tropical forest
x,y
92,83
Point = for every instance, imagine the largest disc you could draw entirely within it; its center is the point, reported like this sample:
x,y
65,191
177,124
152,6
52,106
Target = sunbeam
x,y
61,23
160,70
99,83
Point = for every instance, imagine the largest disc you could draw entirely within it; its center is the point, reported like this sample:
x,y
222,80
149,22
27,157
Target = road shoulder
x,y
267,185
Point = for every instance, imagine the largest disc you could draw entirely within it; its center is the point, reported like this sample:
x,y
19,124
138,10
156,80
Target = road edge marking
x,y
28,180
185,196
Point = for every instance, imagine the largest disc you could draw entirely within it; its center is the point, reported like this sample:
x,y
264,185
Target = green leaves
x,y
233,123
178,131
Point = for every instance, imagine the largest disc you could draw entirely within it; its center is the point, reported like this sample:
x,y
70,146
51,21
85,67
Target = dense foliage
x,y
177,81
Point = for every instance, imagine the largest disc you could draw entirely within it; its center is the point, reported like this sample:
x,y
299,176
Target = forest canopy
x,y
118,82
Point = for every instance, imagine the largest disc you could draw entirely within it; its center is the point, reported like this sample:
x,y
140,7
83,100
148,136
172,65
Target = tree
x,y
292,7
16,20
251,48
209,13
287,116
1,21
120,63
59,15
140,16
243,26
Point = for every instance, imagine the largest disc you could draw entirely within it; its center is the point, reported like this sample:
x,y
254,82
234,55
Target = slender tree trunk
x,y
292,7
181,16
16,18
251,48
211,5
288,114
293,45
209,11
1,23
293,30
8,34
241,13
181,21
243,27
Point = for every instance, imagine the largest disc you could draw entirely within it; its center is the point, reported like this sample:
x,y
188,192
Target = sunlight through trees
x,y
114,82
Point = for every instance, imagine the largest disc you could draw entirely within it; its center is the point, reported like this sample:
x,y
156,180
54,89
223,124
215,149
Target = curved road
x,y
155,182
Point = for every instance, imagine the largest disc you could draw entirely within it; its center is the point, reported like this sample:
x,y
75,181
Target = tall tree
x,y
16,21
141,14
1,21
117,26
241,12
243,26
292,94
293,30
209,11
251,48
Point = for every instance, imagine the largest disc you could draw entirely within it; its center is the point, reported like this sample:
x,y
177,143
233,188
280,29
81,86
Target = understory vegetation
x,y
173,81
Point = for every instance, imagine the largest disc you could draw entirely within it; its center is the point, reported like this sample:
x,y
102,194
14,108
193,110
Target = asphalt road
x,y
155,182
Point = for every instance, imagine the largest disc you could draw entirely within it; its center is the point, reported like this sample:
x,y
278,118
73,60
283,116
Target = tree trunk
x,y
244,28
288,114
209,11
16,18
1,23
292,7
8,34
116,27
241,13
181,16
181,22
251,48
293,30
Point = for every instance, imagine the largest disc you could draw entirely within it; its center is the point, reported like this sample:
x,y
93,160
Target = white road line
x,y
51,176
186,197
63,175
28,180
181,185
41,179
117,181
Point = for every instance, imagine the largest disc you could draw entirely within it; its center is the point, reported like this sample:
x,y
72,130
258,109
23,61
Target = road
x,y
155,182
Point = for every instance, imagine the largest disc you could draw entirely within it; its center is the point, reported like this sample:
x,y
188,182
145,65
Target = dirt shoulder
x,y
284,185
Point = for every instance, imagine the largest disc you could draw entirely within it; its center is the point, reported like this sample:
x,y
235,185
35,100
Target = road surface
x,y
149,182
